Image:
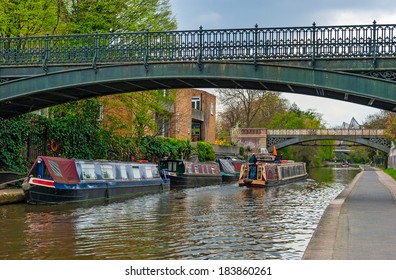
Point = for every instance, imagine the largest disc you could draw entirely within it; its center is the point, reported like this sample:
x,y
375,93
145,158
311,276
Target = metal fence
x,y
306,132
249,44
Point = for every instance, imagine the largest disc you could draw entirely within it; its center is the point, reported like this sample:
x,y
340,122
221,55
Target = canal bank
x,y
9,196
359,223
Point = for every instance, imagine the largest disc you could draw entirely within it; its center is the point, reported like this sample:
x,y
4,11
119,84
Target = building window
x,y
196,102
196,131
212,108
163,127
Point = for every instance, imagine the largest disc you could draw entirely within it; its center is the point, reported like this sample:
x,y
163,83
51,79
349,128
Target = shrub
x,y
205,151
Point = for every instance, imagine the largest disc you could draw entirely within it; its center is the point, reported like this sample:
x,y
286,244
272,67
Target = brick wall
x,y
181,120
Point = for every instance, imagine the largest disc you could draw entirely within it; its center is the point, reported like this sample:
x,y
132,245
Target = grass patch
x,y
391,172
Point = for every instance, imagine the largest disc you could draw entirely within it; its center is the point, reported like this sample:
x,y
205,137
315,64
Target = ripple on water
x,y
216,222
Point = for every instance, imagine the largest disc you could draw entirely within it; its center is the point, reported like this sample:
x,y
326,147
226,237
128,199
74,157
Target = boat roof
x,y
62,170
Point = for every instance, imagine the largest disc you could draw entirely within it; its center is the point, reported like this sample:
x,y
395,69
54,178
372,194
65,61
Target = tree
x,y
30,17
249,108
137,113
295,118
141,15
390,130
377,121
87,16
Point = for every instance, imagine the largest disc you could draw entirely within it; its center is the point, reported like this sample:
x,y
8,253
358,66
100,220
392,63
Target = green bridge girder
x,y
45,90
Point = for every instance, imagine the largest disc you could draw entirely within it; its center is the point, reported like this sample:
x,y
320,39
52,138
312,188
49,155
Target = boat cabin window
x,y
88,171
136,172
189,168
107,171
213,170
123,171
196,168
148,172
40,170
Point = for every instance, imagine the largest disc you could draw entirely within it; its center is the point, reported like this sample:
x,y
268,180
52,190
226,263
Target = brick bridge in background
x,y
257,138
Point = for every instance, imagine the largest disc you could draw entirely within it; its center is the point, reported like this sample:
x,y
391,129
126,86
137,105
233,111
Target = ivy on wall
x,y
73,136
13,133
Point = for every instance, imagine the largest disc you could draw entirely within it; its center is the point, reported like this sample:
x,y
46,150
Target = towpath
x,y
360,224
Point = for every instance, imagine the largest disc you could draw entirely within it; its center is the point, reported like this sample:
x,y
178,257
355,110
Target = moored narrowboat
x,y
268,170
53,180
227,170
183,173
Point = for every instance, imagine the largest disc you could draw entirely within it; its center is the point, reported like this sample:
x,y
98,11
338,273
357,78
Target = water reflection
x,y
215,222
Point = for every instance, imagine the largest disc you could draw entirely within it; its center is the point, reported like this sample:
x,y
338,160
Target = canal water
x,y
221,222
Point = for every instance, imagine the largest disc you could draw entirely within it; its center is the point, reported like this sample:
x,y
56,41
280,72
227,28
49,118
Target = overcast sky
x,y
213,14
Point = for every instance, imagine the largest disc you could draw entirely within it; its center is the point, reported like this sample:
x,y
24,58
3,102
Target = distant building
x,y
194,116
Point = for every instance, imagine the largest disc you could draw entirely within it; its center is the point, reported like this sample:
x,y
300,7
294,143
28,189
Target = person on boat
x,y
252,163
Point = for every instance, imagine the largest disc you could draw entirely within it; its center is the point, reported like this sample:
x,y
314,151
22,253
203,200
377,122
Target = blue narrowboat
x,y
53,180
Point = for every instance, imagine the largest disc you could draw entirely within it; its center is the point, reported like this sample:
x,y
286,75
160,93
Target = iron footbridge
x,y
354,63
257,138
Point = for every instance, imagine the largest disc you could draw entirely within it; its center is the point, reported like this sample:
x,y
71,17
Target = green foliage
x,y
153,15
91,16
86,16
29,17
144,109
242,152
77,131
156,148
391,172
205,151
295,118
13,137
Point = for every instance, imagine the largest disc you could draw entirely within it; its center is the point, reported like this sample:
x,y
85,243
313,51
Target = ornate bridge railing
x,y
251,44
326,132
307,132
257,138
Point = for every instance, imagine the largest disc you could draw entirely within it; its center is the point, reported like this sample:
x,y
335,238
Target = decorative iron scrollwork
x,y
385,75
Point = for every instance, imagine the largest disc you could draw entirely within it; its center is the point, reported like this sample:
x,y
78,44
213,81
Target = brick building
x,y
194,116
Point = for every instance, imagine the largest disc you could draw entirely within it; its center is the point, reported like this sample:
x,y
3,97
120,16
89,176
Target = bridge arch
x,y
376,143
32,93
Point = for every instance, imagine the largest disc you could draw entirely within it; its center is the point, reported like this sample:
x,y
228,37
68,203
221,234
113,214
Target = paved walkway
x,y
360,224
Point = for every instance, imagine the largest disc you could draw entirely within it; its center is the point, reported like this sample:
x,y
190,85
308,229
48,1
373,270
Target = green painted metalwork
x,y
348,63
281,138
250,44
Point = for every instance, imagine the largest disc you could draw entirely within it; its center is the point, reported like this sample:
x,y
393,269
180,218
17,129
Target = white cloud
x,y
356,16
230,14
209,18
333,112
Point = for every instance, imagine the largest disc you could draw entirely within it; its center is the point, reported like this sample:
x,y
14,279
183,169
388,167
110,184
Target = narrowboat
x,y
184,173
53,180
269,170
227,170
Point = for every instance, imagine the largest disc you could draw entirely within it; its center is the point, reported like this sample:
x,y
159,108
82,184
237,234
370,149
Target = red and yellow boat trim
x,y
42,182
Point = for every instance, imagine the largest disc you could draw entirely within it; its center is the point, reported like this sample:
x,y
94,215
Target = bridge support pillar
x,y
392,157
254,139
